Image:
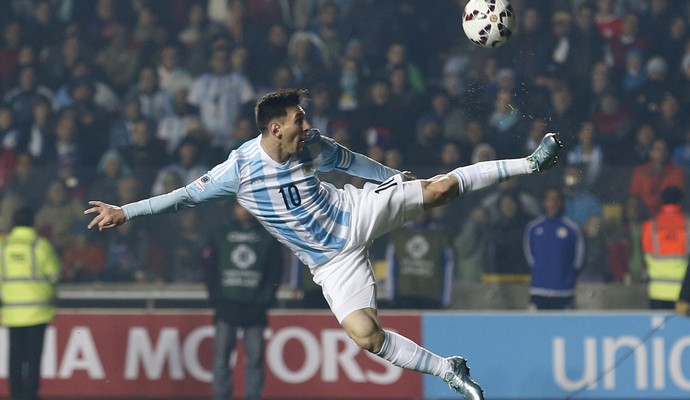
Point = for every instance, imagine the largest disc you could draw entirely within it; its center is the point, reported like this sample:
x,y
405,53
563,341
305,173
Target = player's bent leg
x,y
364,328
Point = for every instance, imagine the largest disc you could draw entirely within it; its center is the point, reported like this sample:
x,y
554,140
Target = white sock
x,y
486,173
404,353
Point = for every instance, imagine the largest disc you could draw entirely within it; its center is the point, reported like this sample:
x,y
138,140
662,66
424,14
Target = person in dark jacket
x,y
243,272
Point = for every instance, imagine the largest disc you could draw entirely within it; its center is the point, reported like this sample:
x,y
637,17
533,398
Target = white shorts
x,y
348,279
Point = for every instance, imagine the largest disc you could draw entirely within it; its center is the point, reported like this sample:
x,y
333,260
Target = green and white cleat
x,y
545,155
460,381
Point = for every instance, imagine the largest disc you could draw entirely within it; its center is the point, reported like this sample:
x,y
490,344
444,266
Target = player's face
x,y
294,130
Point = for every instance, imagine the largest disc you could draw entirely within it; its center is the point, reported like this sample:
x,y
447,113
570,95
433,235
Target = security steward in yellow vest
x,y
666,249
29,271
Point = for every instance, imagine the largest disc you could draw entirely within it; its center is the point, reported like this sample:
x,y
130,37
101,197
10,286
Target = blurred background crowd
x,y
120,100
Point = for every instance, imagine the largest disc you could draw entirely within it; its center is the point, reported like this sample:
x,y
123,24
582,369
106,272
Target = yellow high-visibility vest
x,y
666,244
29,271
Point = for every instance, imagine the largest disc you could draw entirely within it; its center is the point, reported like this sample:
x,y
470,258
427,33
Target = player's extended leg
x,y
364,328
441,189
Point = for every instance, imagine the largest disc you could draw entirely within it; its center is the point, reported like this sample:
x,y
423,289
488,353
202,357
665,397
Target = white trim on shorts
x,y
375,211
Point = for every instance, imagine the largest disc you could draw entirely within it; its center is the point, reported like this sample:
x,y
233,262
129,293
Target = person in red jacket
x,y
649,180
666,250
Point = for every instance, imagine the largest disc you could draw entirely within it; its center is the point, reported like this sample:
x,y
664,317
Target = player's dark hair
x,y
275,104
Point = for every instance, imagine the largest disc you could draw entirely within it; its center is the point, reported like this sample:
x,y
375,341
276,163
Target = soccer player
x,y
274,177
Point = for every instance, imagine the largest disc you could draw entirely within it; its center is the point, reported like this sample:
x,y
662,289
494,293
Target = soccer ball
x,y
488,23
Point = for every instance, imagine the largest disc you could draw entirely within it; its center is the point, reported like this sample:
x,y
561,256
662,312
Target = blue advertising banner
x,y
565,355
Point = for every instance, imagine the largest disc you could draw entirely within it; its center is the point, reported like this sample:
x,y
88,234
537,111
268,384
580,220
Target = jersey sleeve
x,y
339,157
220,182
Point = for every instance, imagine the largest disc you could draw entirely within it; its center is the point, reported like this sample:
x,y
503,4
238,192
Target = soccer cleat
x,y
545,155
460,381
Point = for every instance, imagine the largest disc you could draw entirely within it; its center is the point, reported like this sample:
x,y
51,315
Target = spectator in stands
x,y
193,32
579,203
120,131
628,38
587,45
29,180
607,20
12,39
427,144
670,121
117,59
61,58
105,24
68,156
23,96
220,95
92,119
649,96
555,251
58,214
397,56
127,252
527,203
504,124
155,102
186,164
307,58
683,82
145,155
595,267
273,49
644,137
673,44
111,168
587,154
507,263
374,125
564,116
185,249
531,54
9,131
471,246
84,260
612,121
327,26
649,180
103,95
173,128
321,108
635,74
172,75
680,154
403,96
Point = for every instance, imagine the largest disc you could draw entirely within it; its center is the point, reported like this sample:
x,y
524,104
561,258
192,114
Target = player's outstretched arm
x,y
108,216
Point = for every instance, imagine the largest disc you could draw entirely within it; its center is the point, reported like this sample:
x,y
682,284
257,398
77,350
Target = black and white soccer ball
x,y
488,23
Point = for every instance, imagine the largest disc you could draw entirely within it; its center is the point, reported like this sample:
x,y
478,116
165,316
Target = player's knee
x,y
370,340
440,191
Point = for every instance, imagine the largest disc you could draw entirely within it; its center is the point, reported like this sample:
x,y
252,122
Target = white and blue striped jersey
x,y
311,217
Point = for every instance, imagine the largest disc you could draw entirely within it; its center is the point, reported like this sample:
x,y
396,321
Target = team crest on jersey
x,y
200,184
308,169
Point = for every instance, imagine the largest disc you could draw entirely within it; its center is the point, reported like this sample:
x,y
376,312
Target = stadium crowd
x,y
121,100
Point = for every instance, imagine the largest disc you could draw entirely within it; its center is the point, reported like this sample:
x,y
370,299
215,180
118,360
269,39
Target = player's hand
x,y
109,216
408,176
682,308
